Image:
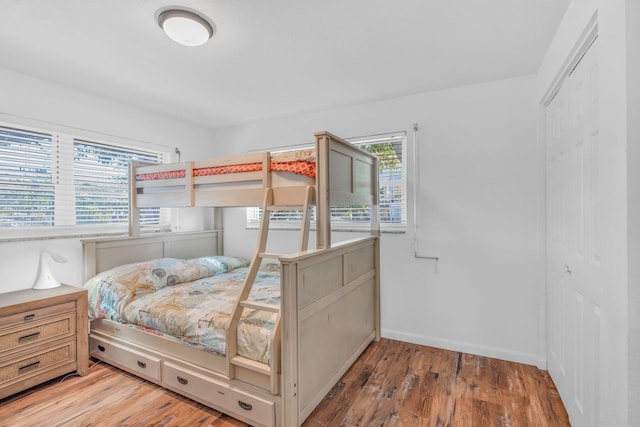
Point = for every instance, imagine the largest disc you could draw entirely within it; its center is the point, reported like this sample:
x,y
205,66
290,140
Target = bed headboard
x,y
103,254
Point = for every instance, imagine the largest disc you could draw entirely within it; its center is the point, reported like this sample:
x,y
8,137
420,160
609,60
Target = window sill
x,y
401,229
68,232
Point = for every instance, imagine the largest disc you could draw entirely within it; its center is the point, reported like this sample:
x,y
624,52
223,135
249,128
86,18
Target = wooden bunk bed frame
x,y
329,309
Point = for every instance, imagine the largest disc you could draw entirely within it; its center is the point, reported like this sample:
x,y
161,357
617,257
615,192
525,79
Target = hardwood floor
x,y
392,384
396,383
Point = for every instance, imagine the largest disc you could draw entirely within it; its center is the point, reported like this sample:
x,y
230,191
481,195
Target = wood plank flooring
x,y
392,384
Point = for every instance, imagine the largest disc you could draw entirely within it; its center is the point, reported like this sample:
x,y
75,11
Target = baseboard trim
x,y
464,347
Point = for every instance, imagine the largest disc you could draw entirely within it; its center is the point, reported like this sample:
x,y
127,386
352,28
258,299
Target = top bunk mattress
x,y
302,162
189,300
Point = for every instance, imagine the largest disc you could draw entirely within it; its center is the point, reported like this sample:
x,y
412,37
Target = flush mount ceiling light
x,y
186,27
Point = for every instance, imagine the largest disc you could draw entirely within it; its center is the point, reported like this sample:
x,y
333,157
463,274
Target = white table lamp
x,y
45,278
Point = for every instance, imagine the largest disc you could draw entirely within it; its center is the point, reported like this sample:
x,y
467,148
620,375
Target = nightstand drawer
x,y
38,361
36,314
26,335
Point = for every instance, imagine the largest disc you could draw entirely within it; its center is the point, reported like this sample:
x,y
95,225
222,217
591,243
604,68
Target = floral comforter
x,y
190,300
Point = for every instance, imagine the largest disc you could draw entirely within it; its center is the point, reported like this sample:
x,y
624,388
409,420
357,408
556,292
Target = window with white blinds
x,y
101,183
51,181
27,190
390,149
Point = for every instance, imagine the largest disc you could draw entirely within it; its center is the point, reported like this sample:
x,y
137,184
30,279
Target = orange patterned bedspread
x,y
300,167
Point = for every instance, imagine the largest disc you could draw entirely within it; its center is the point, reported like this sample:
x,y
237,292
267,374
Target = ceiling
x,y
272,58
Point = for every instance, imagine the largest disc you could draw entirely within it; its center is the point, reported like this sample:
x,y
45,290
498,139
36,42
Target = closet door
x,y
573,239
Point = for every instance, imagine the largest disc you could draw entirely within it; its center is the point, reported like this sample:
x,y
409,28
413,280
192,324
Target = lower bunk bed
x,y
326,312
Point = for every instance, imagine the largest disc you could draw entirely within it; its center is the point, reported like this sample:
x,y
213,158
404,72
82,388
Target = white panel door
x,y
573,236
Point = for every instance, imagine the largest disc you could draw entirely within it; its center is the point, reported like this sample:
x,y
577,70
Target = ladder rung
x,y
251,364
269,255
260,306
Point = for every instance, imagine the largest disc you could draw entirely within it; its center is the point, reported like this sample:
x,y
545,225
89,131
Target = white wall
x,y
633,194
32,102
481,212
619,74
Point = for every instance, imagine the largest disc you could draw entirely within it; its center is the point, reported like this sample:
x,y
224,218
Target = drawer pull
x,y
29,317
142,364
182,381
244,405
29,367
101,348
28,337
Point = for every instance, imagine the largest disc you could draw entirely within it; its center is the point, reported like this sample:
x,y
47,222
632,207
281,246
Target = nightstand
x,y
43,335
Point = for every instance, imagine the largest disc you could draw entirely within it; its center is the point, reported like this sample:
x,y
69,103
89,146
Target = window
x,y
53,184
26,178
101,183
390,149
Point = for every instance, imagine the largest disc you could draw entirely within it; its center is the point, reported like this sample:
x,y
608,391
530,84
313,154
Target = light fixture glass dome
x,y
186,27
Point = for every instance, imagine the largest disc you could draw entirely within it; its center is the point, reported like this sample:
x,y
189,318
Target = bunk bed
x,y
328,310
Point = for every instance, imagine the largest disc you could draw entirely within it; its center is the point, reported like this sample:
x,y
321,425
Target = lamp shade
x,y
185,27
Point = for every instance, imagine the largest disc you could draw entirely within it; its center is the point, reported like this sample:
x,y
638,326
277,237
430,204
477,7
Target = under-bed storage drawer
x,y
133,361
234,402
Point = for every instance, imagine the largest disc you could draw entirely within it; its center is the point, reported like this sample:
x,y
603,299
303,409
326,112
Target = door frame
x,y
580,47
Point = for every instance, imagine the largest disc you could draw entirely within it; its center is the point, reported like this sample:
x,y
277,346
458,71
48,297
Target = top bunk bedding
x,y
190,301
300,162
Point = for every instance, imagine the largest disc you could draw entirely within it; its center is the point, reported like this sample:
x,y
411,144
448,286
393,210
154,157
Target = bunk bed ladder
x,y
233,359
